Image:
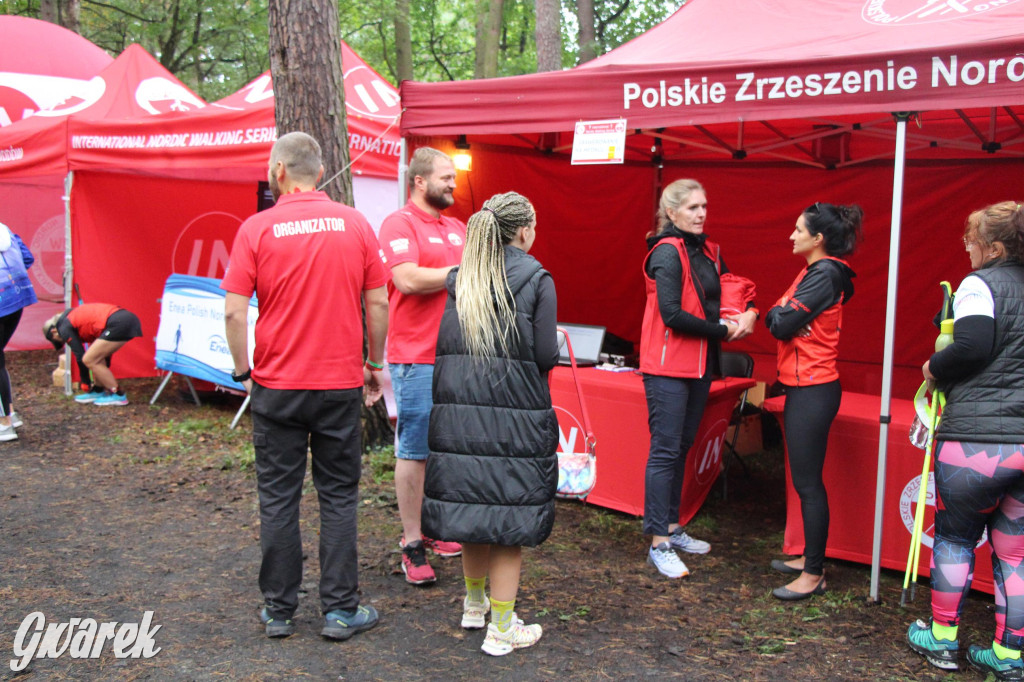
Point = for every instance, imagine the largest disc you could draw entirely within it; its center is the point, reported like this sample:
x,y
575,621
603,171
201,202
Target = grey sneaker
x,y
16,420
985,660
343,624
7,433
680,540
277,627
668,563
939,652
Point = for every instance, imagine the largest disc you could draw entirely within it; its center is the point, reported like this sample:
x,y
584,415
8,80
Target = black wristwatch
x,y
244,376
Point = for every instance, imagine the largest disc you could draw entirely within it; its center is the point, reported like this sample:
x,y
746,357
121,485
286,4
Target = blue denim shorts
x,y
412,385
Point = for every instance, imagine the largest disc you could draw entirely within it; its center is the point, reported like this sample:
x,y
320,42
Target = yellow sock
x,y
944,631
501,614
1004,653
475,588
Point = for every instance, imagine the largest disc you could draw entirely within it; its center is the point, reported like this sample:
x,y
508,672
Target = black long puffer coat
x,y
492,471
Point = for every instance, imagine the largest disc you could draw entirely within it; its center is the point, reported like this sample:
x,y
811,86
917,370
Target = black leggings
x,y
8,323
808,416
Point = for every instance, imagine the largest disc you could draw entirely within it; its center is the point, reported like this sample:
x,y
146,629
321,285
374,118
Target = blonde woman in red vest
x,y
679,352
806,321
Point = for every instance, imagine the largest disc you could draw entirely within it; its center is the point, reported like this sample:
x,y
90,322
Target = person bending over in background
x,y
16,293
679,353
105,328
492,472
979,458
806,321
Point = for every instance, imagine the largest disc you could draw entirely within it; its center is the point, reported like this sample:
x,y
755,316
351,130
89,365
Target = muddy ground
x,y
107,513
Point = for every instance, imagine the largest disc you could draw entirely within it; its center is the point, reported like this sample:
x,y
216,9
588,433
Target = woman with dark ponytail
x,y
492,472
806,321
979,452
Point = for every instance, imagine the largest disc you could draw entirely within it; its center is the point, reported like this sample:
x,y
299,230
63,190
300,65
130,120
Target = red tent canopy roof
x,y
39,47
741,61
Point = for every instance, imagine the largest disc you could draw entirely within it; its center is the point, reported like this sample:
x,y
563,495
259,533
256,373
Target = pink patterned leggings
x,y
980,485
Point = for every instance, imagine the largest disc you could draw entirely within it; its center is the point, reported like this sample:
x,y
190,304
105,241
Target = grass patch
x,y
609,524
379,464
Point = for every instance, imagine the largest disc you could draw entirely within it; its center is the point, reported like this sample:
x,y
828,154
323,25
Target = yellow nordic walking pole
x,y
928,413
938,402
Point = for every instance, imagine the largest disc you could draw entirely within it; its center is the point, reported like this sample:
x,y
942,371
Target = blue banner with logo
x,y
191,338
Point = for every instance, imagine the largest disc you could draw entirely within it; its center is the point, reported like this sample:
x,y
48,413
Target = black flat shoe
x,y
781,566
786,594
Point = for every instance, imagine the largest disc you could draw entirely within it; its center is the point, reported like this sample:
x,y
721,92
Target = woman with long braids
x,y
806,321
492,472
979,460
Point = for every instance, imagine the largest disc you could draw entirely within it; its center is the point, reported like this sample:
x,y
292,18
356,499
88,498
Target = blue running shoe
x,y
277,627
343,624
89,396
985,660
109,398
939,652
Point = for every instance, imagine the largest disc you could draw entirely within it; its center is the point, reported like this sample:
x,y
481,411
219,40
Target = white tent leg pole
x,y
403,172
890,332
68,272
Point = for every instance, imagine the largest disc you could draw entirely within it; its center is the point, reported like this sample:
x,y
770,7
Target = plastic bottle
x,y
945,336
920,433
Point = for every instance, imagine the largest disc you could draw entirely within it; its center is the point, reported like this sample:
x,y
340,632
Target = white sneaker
x,y
474,613
680,540
668,563
518,636
16,420
7,433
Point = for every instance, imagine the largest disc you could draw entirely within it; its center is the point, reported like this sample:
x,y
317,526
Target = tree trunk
x,y
61,12
482,16
403,42
309,92
549,35
494,21
588,41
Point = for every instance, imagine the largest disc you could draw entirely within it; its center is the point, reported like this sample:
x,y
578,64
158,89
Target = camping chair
x,y
735,364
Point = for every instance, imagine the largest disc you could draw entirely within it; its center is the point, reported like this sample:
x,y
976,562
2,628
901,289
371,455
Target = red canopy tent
x,y
773,105
152,195
33,165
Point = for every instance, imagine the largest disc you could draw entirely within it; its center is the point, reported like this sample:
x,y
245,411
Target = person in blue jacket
x,y
16,293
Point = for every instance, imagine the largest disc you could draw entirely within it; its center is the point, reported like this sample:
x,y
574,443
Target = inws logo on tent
x,y
901,12
158,96
709,453
47,244
45,95
203,247
367,94
571,440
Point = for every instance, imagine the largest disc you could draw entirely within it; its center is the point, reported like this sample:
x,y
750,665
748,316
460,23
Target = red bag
x,y
737,292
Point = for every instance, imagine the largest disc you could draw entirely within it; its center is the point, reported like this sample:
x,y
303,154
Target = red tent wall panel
x,y
590,227
33,209
592,222
131,232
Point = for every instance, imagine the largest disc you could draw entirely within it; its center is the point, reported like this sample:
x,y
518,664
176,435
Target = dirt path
x,y
107,513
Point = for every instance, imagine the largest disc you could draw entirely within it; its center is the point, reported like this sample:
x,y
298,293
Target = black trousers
x,y
285,423
8,324
808,417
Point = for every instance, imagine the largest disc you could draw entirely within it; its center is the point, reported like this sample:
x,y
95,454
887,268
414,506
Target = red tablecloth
x,y
851,464
618,417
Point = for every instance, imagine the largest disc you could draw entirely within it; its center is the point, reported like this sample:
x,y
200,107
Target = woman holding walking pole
x,y
979,463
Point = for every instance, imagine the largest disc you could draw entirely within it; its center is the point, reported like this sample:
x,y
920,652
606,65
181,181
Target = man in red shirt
x,y
312,264
420,246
